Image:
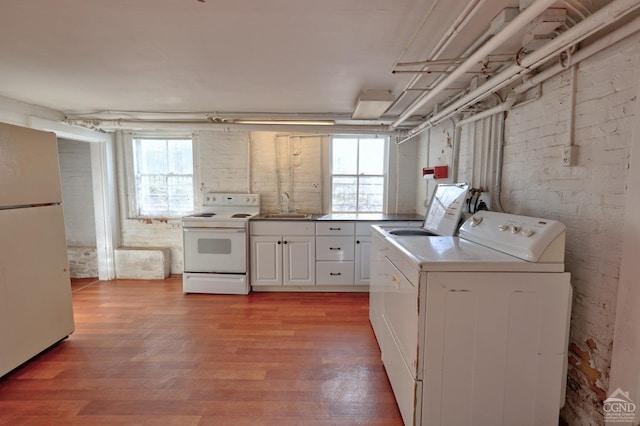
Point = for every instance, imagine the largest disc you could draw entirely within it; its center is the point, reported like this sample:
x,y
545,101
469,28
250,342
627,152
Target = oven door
x,y
221,250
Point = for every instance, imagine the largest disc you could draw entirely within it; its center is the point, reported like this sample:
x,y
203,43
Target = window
x,y
357,174
163,170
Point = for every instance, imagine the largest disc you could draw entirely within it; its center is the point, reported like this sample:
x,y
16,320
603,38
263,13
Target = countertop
x,y
372,217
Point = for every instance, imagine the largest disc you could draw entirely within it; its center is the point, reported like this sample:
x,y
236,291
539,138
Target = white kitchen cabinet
x,y
362,260
282,253
307,253
266,260
299,260
335,253
334,228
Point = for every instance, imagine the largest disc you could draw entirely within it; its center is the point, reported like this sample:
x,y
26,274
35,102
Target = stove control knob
x,y
475,221
527,232
213,198
503,227
515,229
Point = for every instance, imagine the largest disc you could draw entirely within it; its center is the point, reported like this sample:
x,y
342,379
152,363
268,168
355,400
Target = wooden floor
x,y
144,353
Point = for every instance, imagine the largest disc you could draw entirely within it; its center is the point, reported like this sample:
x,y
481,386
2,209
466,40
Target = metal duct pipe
x,y
518,23
603,17
111,125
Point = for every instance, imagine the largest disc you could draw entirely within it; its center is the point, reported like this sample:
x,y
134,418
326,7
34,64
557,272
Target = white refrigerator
x,y
35,289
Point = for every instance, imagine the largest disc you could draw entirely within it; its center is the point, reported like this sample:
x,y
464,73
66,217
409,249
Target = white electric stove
x,y
215,244
474,329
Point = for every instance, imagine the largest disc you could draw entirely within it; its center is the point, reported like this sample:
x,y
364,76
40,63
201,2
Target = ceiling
x,y
225,57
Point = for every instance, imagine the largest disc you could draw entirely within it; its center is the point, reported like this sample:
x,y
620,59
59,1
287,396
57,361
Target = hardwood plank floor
x,y
144,353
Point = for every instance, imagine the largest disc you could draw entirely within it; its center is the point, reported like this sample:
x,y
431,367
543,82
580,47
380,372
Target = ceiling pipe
x,y
112,125
518,23
463,19
603,17
504,106
209,116
601,44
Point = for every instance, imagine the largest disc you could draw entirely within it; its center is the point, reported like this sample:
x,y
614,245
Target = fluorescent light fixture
x,y
372,104
288,122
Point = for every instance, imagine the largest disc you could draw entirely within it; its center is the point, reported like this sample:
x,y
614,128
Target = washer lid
x,y
443,214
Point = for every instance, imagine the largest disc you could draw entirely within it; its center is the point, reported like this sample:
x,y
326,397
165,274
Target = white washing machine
x,y
474,329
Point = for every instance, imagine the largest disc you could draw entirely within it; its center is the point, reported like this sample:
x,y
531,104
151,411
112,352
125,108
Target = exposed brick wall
x,y
223,161
588,197
278,161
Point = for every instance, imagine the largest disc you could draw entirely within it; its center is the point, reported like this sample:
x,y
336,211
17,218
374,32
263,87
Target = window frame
x,y
331,175
130,152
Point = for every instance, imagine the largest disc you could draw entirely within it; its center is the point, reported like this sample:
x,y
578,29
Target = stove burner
x,y
204,215
241,215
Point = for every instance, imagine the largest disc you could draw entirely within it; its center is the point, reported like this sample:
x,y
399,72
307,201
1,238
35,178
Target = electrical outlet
x,y
569,153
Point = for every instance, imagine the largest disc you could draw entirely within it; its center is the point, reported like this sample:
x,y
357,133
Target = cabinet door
x,y
299,260
266,260
363,260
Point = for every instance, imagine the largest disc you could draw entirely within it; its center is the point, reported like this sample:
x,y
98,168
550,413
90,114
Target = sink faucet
x,y
284,198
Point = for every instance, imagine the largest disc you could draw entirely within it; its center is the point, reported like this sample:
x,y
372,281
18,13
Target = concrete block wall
x,y
77,192
588,197
77,199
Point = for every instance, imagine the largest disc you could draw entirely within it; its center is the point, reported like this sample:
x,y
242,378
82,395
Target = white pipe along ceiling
x,y
603,17
478,56
409,114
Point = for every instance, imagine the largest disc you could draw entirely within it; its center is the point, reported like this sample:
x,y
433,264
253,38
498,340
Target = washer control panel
x,y
524,237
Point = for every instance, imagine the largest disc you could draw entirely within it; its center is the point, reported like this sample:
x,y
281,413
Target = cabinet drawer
x,y
335,228
334,248
281,227
334,273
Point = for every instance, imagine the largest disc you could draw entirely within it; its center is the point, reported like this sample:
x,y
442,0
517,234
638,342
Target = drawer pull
x,y
337,273
334,248
335,229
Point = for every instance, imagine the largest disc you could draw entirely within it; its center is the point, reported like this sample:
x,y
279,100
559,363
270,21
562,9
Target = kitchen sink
x,y
287,216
